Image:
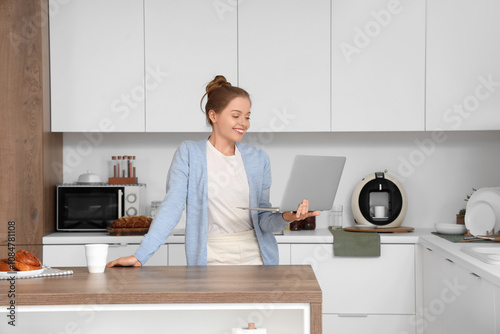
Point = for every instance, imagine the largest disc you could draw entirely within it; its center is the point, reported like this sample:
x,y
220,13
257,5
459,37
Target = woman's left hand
x,y
301,213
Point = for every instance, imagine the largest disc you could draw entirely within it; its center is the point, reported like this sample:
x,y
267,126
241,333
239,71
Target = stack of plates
x,y
482,214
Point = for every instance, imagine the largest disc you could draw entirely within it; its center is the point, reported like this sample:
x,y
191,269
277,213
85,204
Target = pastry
x,y
132,222
26,261
5,266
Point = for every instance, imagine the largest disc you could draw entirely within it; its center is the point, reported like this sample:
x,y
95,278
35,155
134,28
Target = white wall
x,y
437,170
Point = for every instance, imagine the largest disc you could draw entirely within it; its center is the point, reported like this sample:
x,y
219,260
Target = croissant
x,y
5,265
26,261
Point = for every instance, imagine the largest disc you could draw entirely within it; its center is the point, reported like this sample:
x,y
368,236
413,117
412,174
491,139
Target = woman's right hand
x,y
126,261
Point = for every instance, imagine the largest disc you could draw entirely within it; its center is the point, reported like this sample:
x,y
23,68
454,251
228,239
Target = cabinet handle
x,y
475,275
353,315
118,245
430,250
450,260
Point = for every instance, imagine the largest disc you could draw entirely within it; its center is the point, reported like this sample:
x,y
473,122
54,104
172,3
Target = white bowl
x,y
89,178
450,228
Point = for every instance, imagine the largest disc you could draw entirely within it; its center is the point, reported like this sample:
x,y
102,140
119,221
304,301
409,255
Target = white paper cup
x,y
97,255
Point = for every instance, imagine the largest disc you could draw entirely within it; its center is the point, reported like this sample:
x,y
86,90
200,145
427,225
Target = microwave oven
x,y
94,207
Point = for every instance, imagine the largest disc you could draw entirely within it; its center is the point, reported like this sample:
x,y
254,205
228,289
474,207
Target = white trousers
x,y
233,248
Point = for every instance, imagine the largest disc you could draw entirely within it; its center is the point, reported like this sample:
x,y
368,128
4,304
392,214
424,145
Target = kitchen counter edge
x,y
317,236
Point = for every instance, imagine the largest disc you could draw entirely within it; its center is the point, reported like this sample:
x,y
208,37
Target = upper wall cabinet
x,y
284,62
97,66
463,65
378,65
187,44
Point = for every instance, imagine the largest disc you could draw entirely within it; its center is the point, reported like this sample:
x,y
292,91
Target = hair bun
x,y
219,93
217,82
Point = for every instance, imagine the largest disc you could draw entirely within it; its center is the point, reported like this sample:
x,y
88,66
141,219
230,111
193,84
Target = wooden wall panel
x,y
27,148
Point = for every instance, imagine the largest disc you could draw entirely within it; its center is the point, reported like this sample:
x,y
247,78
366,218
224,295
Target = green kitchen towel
x,y
355,243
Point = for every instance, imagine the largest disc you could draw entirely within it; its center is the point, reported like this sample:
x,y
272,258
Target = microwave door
x,y
88,208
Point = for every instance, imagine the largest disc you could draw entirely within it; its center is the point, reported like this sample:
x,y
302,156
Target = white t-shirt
x,y
227,190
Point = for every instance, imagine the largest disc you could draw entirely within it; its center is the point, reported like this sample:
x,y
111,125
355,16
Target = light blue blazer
x,y
187,187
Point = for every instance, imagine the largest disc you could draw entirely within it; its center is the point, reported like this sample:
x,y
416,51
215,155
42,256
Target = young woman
x,y
211,179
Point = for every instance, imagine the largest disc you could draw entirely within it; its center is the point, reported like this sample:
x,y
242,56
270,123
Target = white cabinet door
x,y
455,299
378,65
188,42
285,253
177,254
463,71
74,255
362,285
284,62
467,301
431,322
97,66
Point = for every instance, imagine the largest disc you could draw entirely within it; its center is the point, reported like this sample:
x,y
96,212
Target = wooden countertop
x,y
175,284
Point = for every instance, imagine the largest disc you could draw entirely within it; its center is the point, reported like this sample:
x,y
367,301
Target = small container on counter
x,y
309,223
125,166
133,167
295,225
114,171
336,217
155,206
123,170
306,224
119,166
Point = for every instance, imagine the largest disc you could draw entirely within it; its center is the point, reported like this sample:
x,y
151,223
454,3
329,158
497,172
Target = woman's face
x,y
232,122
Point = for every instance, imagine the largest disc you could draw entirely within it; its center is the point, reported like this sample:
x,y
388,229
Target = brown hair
x,y
219,93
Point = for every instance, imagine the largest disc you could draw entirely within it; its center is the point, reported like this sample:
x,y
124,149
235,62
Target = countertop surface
x,y
319,235
176,284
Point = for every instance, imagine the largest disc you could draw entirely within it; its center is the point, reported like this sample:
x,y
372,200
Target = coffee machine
x,y
380,200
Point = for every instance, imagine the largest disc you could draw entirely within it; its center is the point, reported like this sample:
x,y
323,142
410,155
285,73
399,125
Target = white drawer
x,y
74,255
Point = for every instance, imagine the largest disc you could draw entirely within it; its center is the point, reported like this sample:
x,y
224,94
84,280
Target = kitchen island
x,y
195,299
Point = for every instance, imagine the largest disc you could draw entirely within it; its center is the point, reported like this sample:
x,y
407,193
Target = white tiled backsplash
x,y
436,175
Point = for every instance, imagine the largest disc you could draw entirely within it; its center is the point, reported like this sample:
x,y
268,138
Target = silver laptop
x,y
315,178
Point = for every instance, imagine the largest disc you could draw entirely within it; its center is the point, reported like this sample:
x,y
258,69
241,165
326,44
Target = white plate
x,y
22,273
490,195
486,195
480,218
450,228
